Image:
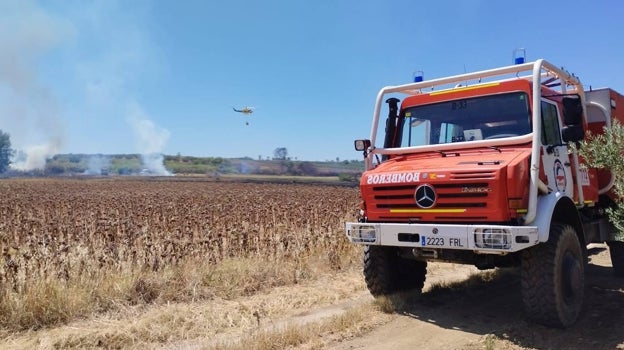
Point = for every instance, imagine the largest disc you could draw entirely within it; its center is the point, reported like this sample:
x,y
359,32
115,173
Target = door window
x,y
550,124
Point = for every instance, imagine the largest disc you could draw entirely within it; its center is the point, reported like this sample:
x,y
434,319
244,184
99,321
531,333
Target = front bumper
x,y
486,239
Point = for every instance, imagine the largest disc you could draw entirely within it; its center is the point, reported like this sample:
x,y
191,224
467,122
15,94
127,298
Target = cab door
x,y
555,157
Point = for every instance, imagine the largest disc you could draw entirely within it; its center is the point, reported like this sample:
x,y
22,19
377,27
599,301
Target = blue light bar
x,y
519,56
418,76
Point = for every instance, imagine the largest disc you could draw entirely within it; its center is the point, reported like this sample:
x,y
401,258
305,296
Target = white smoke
x,y
98,165
92,55
35,157
29,111
151,141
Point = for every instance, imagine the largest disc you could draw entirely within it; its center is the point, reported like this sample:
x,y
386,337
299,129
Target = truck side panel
x,y
604,106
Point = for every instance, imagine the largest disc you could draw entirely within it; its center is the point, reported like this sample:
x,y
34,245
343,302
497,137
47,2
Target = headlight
x,y
492,238
363,234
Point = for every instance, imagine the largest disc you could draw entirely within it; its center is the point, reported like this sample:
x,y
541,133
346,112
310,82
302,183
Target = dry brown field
x,y
177,263
105,240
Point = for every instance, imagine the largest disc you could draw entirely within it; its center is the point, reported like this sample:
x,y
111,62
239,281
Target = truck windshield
x,y
469,119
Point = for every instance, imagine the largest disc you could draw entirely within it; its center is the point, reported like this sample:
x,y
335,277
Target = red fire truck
x,y
478,169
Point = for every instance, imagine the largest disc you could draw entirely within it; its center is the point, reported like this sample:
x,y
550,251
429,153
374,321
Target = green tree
x,y
280,153
6,152
606,151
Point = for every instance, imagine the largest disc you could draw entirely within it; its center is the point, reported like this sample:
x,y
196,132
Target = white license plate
x,y
433,241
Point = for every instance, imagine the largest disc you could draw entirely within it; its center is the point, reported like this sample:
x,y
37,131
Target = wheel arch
x,y
556,207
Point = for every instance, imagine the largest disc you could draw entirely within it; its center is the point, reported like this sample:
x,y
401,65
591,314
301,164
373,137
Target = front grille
x,y
467,191
448,195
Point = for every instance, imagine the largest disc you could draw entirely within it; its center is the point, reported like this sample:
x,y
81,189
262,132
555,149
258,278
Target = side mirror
x,y
573,133
572,110
362,145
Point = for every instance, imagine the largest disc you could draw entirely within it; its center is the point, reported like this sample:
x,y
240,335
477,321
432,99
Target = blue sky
x,y
162,76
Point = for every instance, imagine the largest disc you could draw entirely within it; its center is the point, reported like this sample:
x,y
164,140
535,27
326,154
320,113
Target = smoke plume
x,y
98,165
151,141
29,111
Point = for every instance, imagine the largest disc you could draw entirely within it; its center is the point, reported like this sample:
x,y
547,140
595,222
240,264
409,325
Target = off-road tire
x,y
616,250
553,278
387,273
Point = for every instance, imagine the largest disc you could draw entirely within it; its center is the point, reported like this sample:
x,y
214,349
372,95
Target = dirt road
x,y
488,315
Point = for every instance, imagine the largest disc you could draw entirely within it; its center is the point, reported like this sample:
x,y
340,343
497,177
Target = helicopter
x,y
245,110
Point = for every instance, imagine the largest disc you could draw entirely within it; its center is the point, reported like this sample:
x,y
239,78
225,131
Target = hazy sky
x,y
162,76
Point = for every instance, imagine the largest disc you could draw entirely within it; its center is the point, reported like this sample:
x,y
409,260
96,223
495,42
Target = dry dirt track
x,y
489,316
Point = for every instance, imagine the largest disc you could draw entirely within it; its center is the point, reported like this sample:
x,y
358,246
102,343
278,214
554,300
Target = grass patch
x,y
52,302
314,335
203,323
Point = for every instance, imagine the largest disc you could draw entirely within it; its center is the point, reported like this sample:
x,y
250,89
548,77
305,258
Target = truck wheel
x,y
387,273
616,249
553,278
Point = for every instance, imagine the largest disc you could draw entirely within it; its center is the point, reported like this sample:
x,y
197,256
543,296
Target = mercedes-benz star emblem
x,y
425,196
